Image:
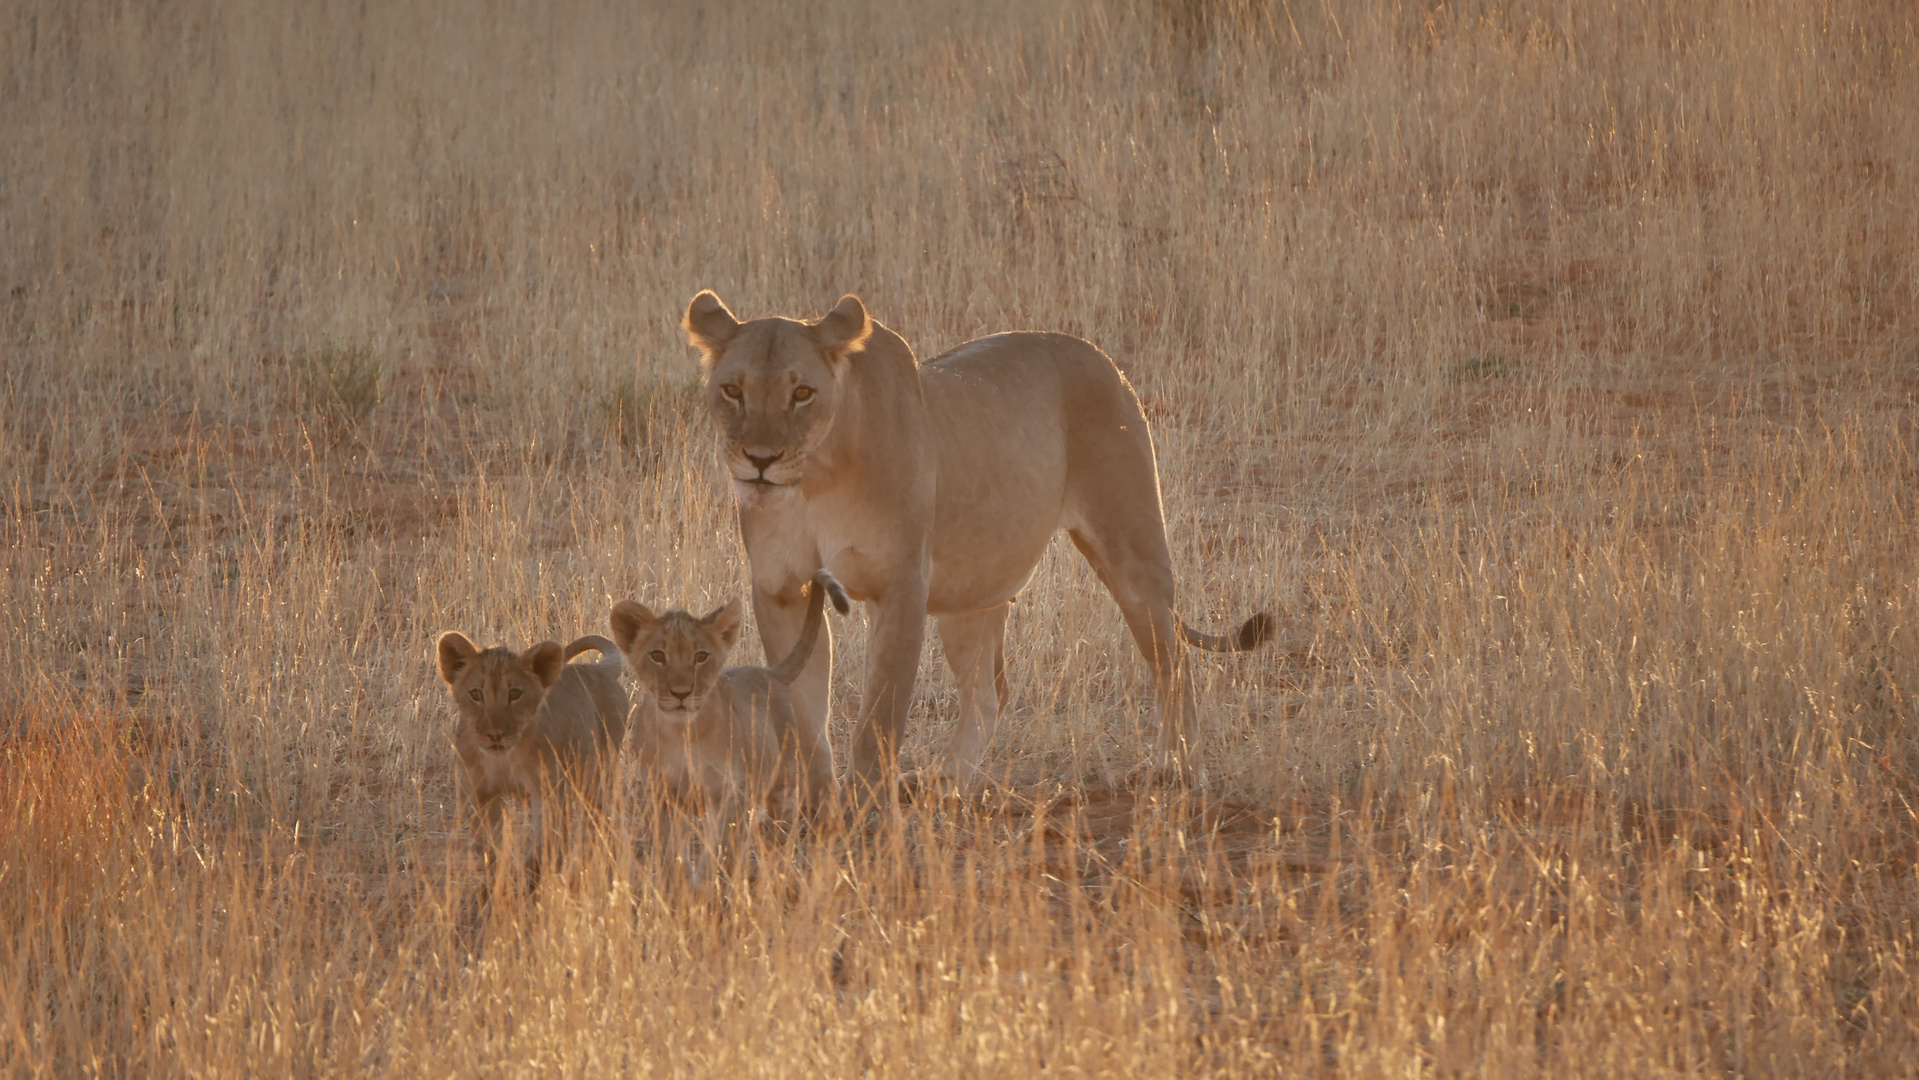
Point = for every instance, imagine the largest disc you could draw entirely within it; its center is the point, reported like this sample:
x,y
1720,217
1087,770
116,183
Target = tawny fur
x,y
532,726
726,740
934,489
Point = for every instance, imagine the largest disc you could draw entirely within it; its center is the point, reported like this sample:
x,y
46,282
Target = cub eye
x,y
514,694
658,656
731,391
803,393
474,693
699,658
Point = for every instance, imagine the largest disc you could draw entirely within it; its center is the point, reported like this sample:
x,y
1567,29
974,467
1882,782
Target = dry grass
x,y
1549,368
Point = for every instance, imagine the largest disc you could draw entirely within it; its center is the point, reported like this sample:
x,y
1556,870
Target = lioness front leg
x,y
899,629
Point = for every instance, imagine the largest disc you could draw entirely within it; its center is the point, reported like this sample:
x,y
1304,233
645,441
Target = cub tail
x,y
609,652
1253,633
822,586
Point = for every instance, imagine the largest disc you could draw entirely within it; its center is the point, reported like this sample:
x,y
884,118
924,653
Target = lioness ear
x,y
709,326
630,620
725,622
842,330
456,652
545,661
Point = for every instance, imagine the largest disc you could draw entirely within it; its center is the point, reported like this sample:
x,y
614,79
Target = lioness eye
x,y
699,658
474,693
804,393
658,656
514,694
731,391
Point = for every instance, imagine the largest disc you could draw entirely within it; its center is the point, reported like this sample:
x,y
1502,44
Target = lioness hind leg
x,y
975,650
1139,575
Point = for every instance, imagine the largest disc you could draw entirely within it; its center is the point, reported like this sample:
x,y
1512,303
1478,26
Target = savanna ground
x,y
1549,369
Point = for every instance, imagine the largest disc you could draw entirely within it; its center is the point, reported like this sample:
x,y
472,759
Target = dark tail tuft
x,y
834,591
1257,631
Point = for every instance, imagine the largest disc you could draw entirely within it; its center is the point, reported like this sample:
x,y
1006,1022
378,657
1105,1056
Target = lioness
x,y
934,489
727,739
531,725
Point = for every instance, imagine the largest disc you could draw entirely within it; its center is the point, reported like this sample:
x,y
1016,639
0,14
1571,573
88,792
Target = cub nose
x,y
682,695
761,463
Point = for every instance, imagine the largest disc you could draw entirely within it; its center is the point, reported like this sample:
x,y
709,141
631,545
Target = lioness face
x,y
773,385
497,692
676,657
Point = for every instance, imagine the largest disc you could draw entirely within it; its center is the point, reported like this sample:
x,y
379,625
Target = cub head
x,y
496,691
773,385
675,657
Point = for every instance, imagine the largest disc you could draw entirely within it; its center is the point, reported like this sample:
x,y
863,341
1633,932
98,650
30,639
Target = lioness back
x,y
1015,413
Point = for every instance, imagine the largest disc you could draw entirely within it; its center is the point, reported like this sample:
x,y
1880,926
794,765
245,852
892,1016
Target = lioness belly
x,y
997,425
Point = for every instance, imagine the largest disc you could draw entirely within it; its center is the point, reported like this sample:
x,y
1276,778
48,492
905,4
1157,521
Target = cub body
x,y
726,740
532,726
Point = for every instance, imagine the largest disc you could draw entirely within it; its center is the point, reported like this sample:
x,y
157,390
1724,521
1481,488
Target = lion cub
x,y
532,725
726,739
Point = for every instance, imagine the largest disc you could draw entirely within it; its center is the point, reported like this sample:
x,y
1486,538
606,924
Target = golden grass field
x,y
1548,369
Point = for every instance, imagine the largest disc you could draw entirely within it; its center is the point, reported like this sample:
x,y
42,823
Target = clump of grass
x,y
343,384
1490,365
643,413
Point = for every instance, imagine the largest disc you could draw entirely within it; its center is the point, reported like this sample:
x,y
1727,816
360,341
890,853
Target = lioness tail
x,y
822,586
1253,633
609,652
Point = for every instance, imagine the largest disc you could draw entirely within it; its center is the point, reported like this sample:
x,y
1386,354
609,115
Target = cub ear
x,y
456,652
725,621
545,661
709,326
842,330
631,621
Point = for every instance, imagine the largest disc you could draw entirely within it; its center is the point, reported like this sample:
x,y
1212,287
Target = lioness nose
x,y
761,463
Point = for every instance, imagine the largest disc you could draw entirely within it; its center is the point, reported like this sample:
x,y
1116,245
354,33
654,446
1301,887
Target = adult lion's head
x,y
774,385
